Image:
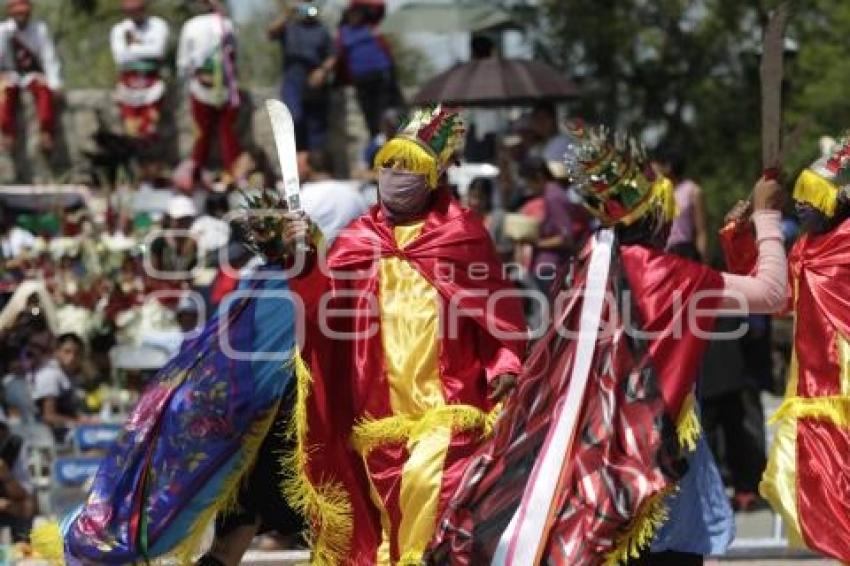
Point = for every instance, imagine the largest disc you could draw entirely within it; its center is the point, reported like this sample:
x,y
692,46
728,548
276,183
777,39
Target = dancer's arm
x,y
767,290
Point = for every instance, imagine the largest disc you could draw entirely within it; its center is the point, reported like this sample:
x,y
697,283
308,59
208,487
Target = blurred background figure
x,y
309,59
176,251
550,141
28,61
563,224
139,46
733,417
480,199
54,389
206,59
365,60
689,233
331,203
390,119
17,504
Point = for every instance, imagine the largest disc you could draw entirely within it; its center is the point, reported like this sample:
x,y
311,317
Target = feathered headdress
x,y
821,183
425,143
614,178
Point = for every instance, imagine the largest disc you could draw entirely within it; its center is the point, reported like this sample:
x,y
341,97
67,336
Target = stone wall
x,y
83,109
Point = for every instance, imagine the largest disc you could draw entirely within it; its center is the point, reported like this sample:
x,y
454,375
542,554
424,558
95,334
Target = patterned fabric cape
x,y
635,418
192,437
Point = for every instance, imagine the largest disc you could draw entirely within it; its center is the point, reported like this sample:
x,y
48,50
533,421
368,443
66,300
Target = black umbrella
x,y
497,82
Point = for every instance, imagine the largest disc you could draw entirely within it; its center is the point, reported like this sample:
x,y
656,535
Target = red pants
x,y
141,121
44,107
209,121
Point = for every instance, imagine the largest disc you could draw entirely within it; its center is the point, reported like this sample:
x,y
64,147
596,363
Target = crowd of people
x,y
206,64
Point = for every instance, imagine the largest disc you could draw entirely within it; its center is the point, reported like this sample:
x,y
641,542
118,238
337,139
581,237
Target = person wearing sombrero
x,y
602,427
416,336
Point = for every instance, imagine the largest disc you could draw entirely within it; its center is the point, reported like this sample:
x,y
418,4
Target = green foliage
x,y
686,75
260,60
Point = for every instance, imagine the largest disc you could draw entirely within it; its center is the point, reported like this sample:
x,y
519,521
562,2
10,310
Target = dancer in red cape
x,y
807,479
596,435
414,336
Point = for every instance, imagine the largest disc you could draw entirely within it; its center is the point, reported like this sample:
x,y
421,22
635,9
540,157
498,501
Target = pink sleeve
x,y
767,291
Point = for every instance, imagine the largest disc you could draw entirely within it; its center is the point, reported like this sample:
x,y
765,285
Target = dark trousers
x,y
668,559
734,428
261,497
375,94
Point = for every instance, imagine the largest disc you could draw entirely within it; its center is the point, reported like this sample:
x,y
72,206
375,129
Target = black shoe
x,y
209,560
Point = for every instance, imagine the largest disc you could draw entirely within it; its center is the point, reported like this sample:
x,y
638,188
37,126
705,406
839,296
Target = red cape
x,y
820,267
626,457
451,252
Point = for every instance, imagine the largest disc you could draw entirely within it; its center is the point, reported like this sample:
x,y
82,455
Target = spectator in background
x,y
563,224
14,240
139,45
480,199
513,149
331,203
210,230
389,124
483,123
732,413
28,61
308,60
54,390
206,58
253,169
188,315
176,251
689,233
17,505
551,143
17,366
365,61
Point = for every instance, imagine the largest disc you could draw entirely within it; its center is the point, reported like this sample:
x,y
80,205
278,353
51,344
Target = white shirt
x,y
201,41
36,38
15,242
150,41
210,233
50,381
332,205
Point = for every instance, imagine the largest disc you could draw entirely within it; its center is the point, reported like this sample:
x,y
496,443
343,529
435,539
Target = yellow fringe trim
x,y
688,428
227,499
369,434
47,542
410,558
833,409
661,195
411,156
650,517
327,505
813,189
47,538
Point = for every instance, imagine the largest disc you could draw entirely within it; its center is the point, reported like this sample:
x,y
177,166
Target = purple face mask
x,y
404,196
812,220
